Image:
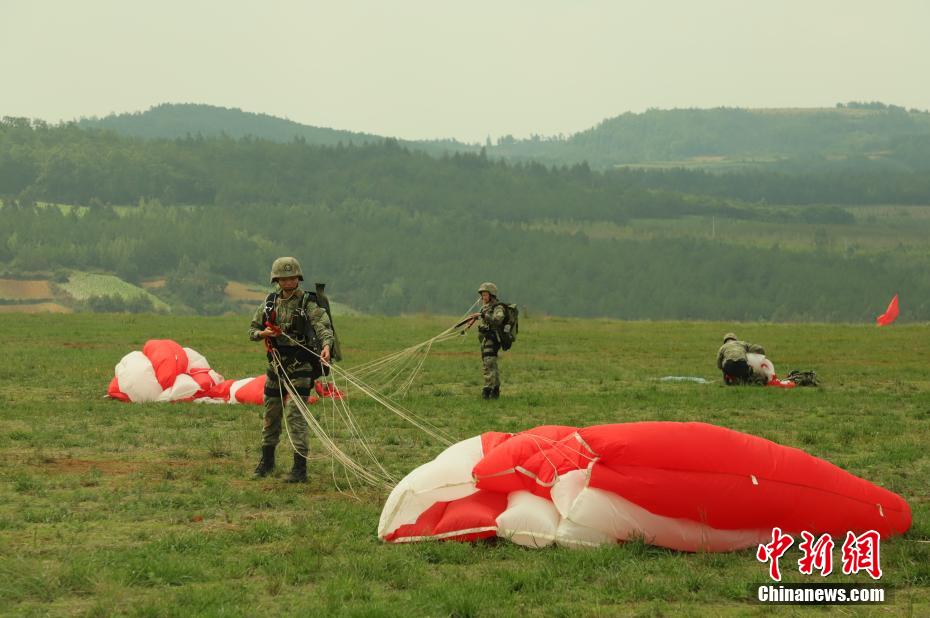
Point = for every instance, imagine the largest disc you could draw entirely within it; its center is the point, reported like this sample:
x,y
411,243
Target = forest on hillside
x,y
857,136
393,230
66,164
872,137
178,120
385,259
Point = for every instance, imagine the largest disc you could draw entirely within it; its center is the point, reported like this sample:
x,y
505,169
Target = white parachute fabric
x,y
445,478
684,486
165,371
761,365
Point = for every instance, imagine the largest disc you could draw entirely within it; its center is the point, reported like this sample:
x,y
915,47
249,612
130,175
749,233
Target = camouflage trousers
x,y
302,376
492,374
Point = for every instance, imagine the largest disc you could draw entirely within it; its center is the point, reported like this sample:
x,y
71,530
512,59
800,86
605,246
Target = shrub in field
x,y
117,304
82,287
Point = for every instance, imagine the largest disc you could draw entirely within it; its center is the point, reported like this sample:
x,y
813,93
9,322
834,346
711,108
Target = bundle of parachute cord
x,y
339,434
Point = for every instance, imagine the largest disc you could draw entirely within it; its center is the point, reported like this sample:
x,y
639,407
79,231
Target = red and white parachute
x,y
165,371
763,366
685,486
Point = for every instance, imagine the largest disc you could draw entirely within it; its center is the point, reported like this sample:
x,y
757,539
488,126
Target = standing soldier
x,y
289,321
490,320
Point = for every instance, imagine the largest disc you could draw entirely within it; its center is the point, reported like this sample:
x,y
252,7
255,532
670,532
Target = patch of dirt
x,y
25,290
153,284
35,308
80,466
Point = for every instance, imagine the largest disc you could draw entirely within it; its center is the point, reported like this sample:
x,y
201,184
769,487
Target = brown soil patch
x,y
154,284
35,308
243,292
80,466
14,289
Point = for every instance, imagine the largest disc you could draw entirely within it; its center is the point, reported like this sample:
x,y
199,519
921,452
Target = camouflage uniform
x,y
308,324
491,318
300,366
731,360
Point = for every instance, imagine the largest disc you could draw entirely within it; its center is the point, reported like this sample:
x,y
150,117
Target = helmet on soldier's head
x,y
729,336
488,287
286,267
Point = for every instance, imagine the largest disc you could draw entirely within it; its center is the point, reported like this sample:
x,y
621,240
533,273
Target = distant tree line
x,y
394,230
180,120
848,136
66,164
386,259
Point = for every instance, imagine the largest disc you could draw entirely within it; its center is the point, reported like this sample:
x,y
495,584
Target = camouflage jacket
x,y
734,350
491,318
288,316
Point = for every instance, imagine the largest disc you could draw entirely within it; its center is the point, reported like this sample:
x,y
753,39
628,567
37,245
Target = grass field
x,y
148,510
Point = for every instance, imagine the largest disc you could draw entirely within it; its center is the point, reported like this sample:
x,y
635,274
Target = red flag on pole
x,y
891,313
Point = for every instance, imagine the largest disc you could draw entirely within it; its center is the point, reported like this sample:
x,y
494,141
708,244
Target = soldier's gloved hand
x,y
324,355
269,331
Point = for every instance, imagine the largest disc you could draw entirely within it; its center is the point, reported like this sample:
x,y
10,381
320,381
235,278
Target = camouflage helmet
x,y
488,287
729,336
286,267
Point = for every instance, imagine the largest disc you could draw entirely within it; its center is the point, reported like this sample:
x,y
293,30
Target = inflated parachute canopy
x,y
685,486
166,371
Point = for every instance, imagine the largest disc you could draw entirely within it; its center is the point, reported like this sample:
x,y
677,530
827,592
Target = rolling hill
x,y
859,135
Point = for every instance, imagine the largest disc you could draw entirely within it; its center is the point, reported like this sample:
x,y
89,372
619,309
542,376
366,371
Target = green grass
x,y
148,510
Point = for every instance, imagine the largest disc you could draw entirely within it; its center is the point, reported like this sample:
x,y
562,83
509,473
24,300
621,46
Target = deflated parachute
x,y
762,366
685,486
166,371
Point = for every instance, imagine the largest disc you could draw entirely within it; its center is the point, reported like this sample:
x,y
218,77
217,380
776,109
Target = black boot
x,y
486,392
298,473
266,464
496,392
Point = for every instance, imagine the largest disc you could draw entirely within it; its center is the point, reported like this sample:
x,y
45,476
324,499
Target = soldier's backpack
x,y
803,378
507,333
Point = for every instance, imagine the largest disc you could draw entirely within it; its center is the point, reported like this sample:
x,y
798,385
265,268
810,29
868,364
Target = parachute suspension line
x,y
340,407
388,370
449,333
408,416
561,448
327,442
287,429
421,424
392,367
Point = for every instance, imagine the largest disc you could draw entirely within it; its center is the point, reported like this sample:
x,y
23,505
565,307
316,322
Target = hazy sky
x,y
467,69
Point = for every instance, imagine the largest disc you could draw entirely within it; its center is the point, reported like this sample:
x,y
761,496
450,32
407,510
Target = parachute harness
x,y
398,370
